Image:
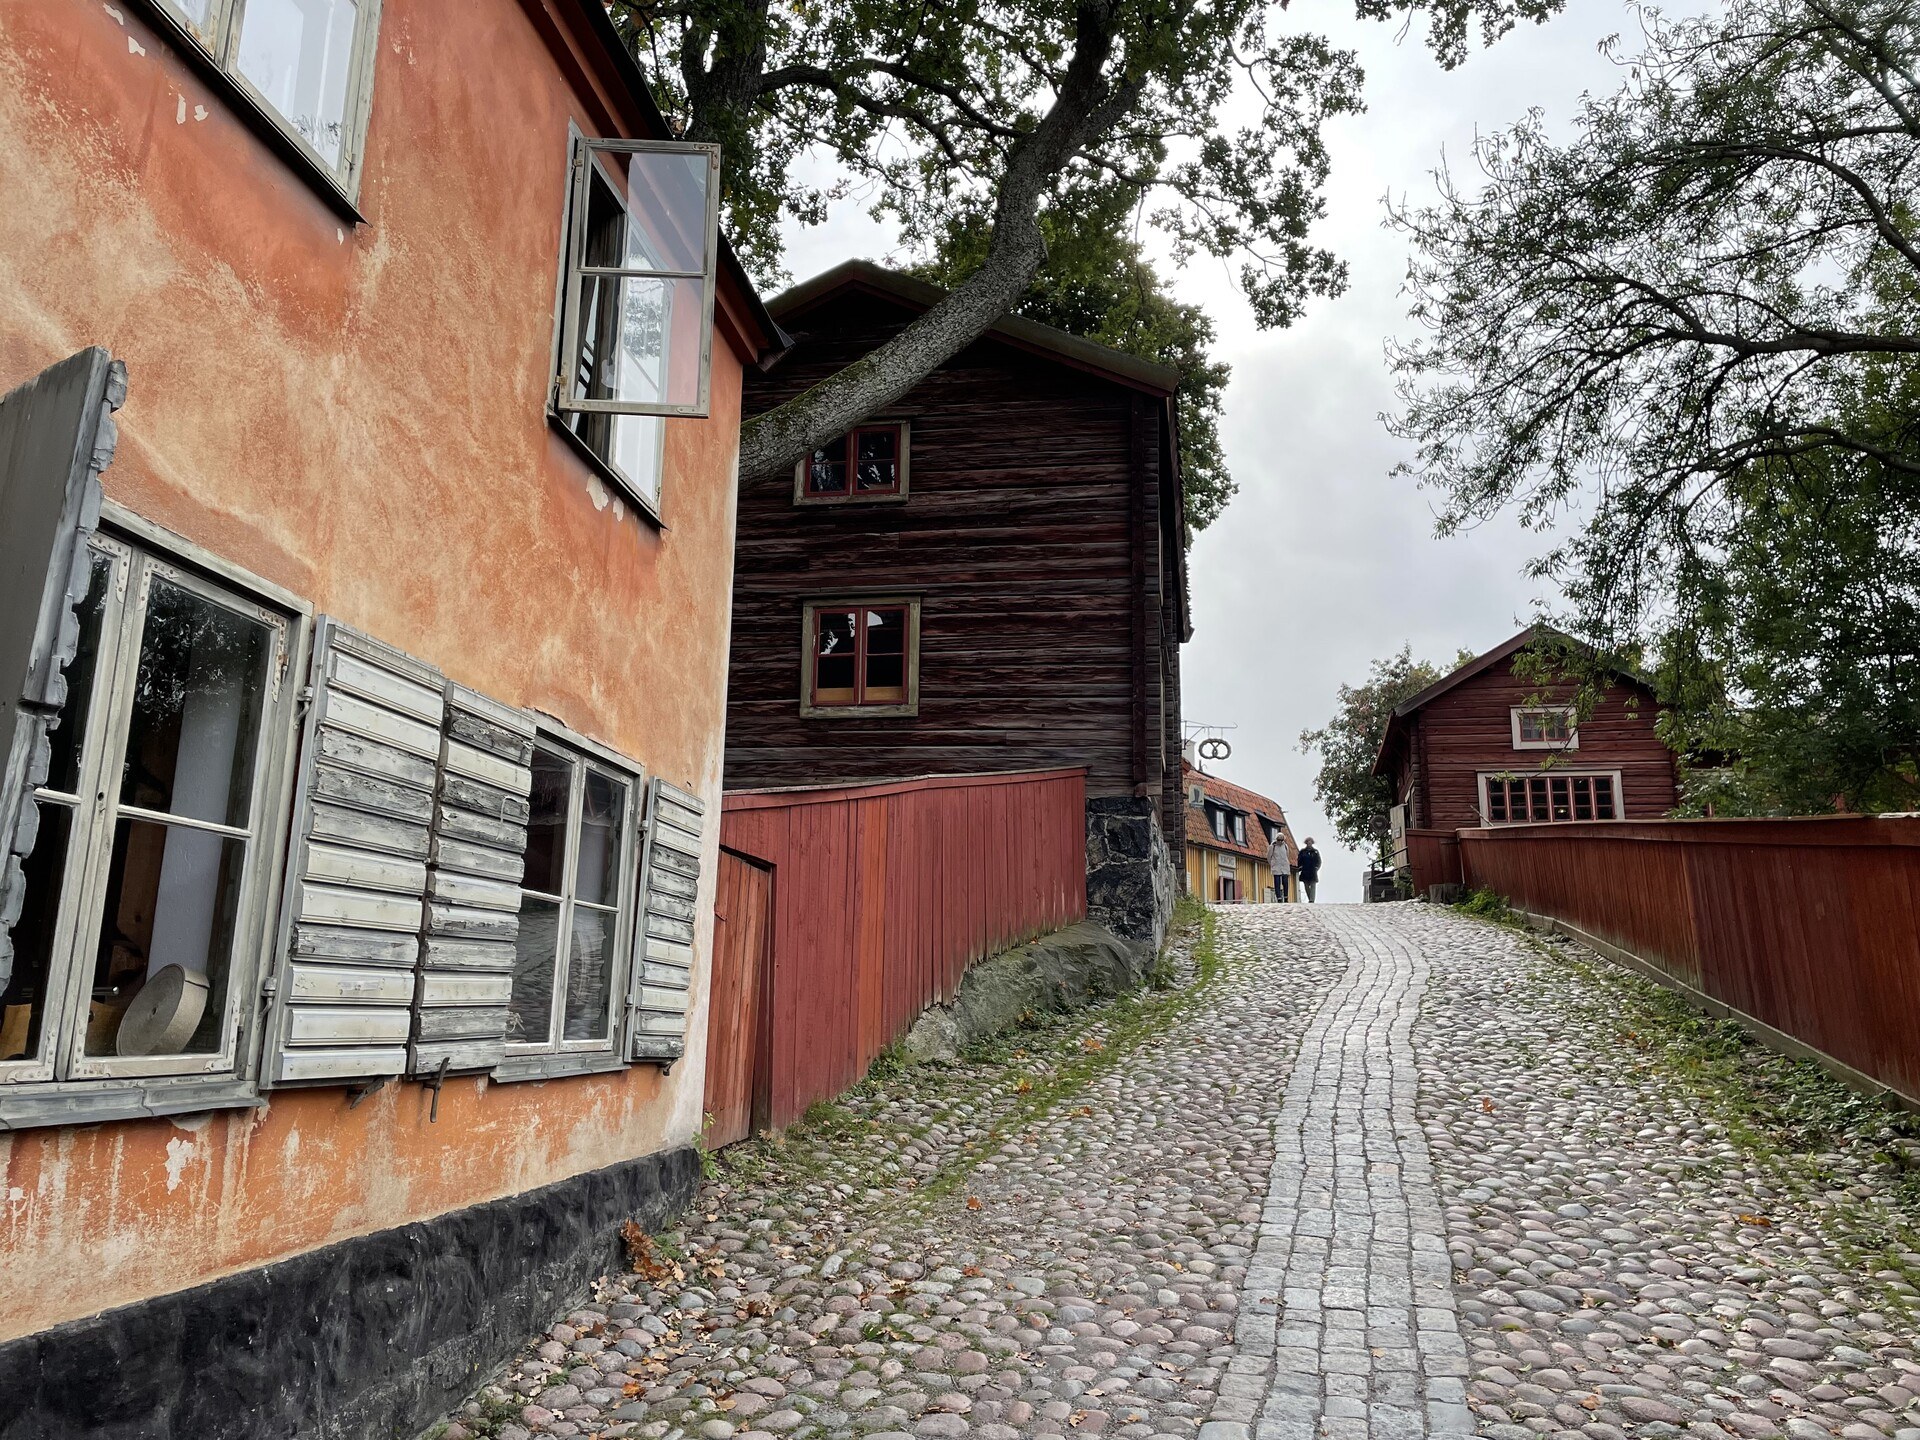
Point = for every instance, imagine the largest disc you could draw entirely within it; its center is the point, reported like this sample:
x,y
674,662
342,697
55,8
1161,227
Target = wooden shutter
x,y
473,885
57,434
357,873
662,983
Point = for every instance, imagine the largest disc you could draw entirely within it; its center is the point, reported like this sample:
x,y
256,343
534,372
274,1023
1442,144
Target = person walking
x,y
1277,863
1310,871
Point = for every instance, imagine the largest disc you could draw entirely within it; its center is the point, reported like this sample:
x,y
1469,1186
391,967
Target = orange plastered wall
x,y
354,412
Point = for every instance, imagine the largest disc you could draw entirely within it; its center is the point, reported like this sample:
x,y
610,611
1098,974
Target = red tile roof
x,y
1234,797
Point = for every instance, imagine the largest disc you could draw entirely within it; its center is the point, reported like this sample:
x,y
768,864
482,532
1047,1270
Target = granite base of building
x,y
1130,882
366,1339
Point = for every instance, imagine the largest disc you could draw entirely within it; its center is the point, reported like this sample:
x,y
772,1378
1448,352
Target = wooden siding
x,y
1810,927
1033,534
885,894
1467,732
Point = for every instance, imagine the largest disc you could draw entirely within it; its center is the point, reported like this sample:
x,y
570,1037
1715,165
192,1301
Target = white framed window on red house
x,y
1549,798
861,657
867,463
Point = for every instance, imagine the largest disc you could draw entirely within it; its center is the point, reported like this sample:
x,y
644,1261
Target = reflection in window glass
x,y
602,813
536,955
877,460
836,659
70,729
299,55
886,641
546,857
196,708
590,975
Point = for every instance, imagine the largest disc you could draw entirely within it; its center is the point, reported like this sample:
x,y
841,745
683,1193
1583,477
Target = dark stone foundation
x,y
1130,886
365,1339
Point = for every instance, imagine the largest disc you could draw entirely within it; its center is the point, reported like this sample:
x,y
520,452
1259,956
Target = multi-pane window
x,y
307,63
1548,727
1240,829
862,654
134,953
1538,799
869,461
637,312
576,900
1220,823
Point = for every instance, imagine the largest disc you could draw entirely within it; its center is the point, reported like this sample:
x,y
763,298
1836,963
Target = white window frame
x,y
1619,797
1239,828
556,1054
217,41
1572,742
63,1082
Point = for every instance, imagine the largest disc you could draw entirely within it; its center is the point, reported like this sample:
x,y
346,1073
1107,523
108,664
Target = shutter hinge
x,y
269,987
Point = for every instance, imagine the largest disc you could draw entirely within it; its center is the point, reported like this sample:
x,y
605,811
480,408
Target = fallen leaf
x,y
1590,1402
1022,1085
971,1270
1084,1110
1486,1104
1759,1220
630,1389
1091,1045
1076,1417
973,1203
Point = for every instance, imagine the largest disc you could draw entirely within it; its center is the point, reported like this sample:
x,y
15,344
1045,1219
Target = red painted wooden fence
x,y
1811,927
884,894
737,1007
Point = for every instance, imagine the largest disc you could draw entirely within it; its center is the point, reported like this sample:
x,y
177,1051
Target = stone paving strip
x,y
1350,1293
1637,1254
1048,1240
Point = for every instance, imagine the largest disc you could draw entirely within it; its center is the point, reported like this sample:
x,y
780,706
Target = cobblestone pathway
x,y
1370,1172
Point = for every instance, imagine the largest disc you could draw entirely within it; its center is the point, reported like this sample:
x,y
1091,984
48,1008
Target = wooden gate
x,y
739,1012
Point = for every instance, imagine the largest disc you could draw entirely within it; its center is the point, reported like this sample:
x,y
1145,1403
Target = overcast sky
x,y
1325,560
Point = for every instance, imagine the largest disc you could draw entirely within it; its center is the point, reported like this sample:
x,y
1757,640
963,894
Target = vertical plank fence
x,y
1809,927
883,895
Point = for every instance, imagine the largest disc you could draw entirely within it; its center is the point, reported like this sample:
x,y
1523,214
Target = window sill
x,y
516,1068
857,712
96,1102
621,485
888,497
264,123
1552,745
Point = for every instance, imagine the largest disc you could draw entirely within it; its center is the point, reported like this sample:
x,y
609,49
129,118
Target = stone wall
x,y
1130,880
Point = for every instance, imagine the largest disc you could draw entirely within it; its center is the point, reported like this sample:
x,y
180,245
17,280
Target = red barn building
x,y
1487,745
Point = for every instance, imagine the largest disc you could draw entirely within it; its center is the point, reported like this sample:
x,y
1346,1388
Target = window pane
x,y
597,867
172,898
827,470
23,1001
1496,800
886,655
546,860
877,461
664,194
590,975
71,728
299,54
640,340
530,1010
196,708
1582,798
834,674
1530,725
1562,799
1603,797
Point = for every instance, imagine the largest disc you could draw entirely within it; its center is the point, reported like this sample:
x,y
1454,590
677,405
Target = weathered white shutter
x,y
476,860
357,876
663,977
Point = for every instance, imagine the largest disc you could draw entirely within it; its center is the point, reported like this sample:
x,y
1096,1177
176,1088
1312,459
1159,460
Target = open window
x,y
861,657
870,463
148,886
636,326
307,65
1544,727
570,979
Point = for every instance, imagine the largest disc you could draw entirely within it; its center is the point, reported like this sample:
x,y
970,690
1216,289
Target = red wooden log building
x,y
1492,744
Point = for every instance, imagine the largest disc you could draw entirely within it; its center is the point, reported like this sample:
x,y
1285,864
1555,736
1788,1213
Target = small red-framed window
x,y
861,655
868,461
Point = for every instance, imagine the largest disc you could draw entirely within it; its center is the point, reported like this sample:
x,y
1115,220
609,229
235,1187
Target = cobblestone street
x,y
1358,1171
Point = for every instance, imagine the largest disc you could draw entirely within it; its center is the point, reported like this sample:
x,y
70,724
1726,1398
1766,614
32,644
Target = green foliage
x,y
1097,283
1698,318
1355,799
1487,905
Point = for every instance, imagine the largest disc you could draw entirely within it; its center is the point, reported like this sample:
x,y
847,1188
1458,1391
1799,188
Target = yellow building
x,y
1233,837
